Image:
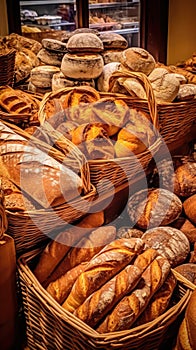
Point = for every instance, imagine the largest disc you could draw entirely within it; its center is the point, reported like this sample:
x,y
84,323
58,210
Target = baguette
x,y
130,307
98,304
84,250
60,288
109,261
56,250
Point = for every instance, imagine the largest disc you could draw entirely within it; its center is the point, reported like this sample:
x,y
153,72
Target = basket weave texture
x,y
7,64
51,327
31,228
107,174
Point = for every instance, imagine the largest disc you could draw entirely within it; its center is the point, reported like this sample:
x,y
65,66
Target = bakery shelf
x,y
123,31
45,2
110,4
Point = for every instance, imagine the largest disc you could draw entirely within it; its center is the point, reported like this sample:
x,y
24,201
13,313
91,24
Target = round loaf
x,y
54,45
65,37
59,81
189,230
50,58
189,206
112,55
103,80
153,207
113,41
82,66
138,60
85,42
188,270
169,242
185,179
186,339
165,85
130,86
186,92
42,76
128,232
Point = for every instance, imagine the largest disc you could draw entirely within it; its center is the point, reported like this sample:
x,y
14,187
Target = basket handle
x,y
59,155
144,81
3,217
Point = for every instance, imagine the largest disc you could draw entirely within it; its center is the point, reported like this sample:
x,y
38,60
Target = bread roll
x,y
189,206
114,55
66,128
165,85
109,261
169,242
56,250
82,66
103,80
189,230
80,95
129,86
131,306
185,179
84,250
85,42
159,302
186,339
186,92
153,207
138,60
128,232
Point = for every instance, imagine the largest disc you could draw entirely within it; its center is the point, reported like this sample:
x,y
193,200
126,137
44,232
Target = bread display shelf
x,y
48,323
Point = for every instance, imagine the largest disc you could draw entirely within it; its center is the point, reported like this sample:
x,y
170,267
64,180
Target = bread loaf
x,y
113,41
186,92
109,261
112,55
128,232
56,250
66,128
189,230
169,242
54,45
84,250
153,207
159,302
165,85
103,80
50,58
189,206
85,42
185,179
131,306
59,81
188,270
42,76
138,60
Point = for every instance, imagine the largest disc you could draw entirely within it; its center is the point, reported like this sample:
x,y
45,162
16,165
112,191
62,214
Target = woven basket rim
x,y
164,320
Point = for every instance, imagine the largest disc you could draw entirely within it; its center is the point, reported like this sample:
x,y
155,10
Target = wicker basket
x,y
175,119
7,64
50,327
31,228
108,174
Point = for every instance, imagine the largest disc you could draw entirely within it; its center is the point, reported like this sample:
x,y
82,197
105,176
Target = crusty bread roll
x,y
85,42
80,95
138,60
186,339
189,206
185,179
165,85
112,55
109,261
82,66
131,306
169,242
153,207
103,80
189,229
186,92
136,136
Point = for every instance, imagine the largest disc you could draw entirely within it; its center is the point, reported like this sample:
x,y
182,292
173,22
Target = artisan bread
x,y
128,232
153,207
186,339
112,55
56,250
169,242
66,128
26,164
103,80
131,306
113,41
84,250
186,92
189,206
109,261
19,42
165,85
98,304
188,270
129,86
136,136
50,58
59,81
85,42
54,45
82,66
41,76
189,229
138,60
185,179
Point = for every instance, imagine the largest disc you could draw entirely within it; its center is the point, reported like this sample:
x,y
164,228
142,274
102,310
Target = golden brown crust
x,y
189,206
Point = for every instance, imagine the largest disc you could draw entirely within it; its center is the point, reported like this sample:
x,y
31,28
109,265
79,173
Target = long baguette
x,y
56,250
130,307
98,304
84,250
109,261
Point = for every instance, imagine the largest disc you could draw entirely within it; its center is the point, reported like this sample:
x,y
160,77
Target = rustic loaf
x,y
109,261
131,306
185,179
50,58
188,270
112,55
85,42
113,41
59,81
103,80
42,76
189,206
54,45
138,60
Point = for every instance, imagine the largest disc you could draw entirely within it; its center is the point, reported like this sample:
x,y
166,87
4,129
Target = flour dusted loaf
x,y
138,60
186,92
185,179
59,81
112,55
189,206
54,45
169,242
51,58
82,66
113,41
109,261
84,42
153,207
188,270
103,80
165,85
41,76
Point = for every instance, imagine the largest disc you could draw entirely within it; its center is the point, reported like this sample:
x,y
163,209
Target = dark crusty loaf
x,y
98,304
109,261
131,306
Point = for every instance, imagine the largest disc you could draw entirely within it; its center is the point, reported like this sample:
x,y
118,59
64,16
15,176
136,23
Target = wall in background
x,y
3,21
181,30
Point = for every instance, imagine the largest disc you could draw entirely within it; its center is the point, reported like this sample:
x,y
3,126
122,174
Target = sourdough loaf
x,y
138,60
50,58
189,206
103,80
54,45
82,66
113,41
84,42
59,81
41,76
